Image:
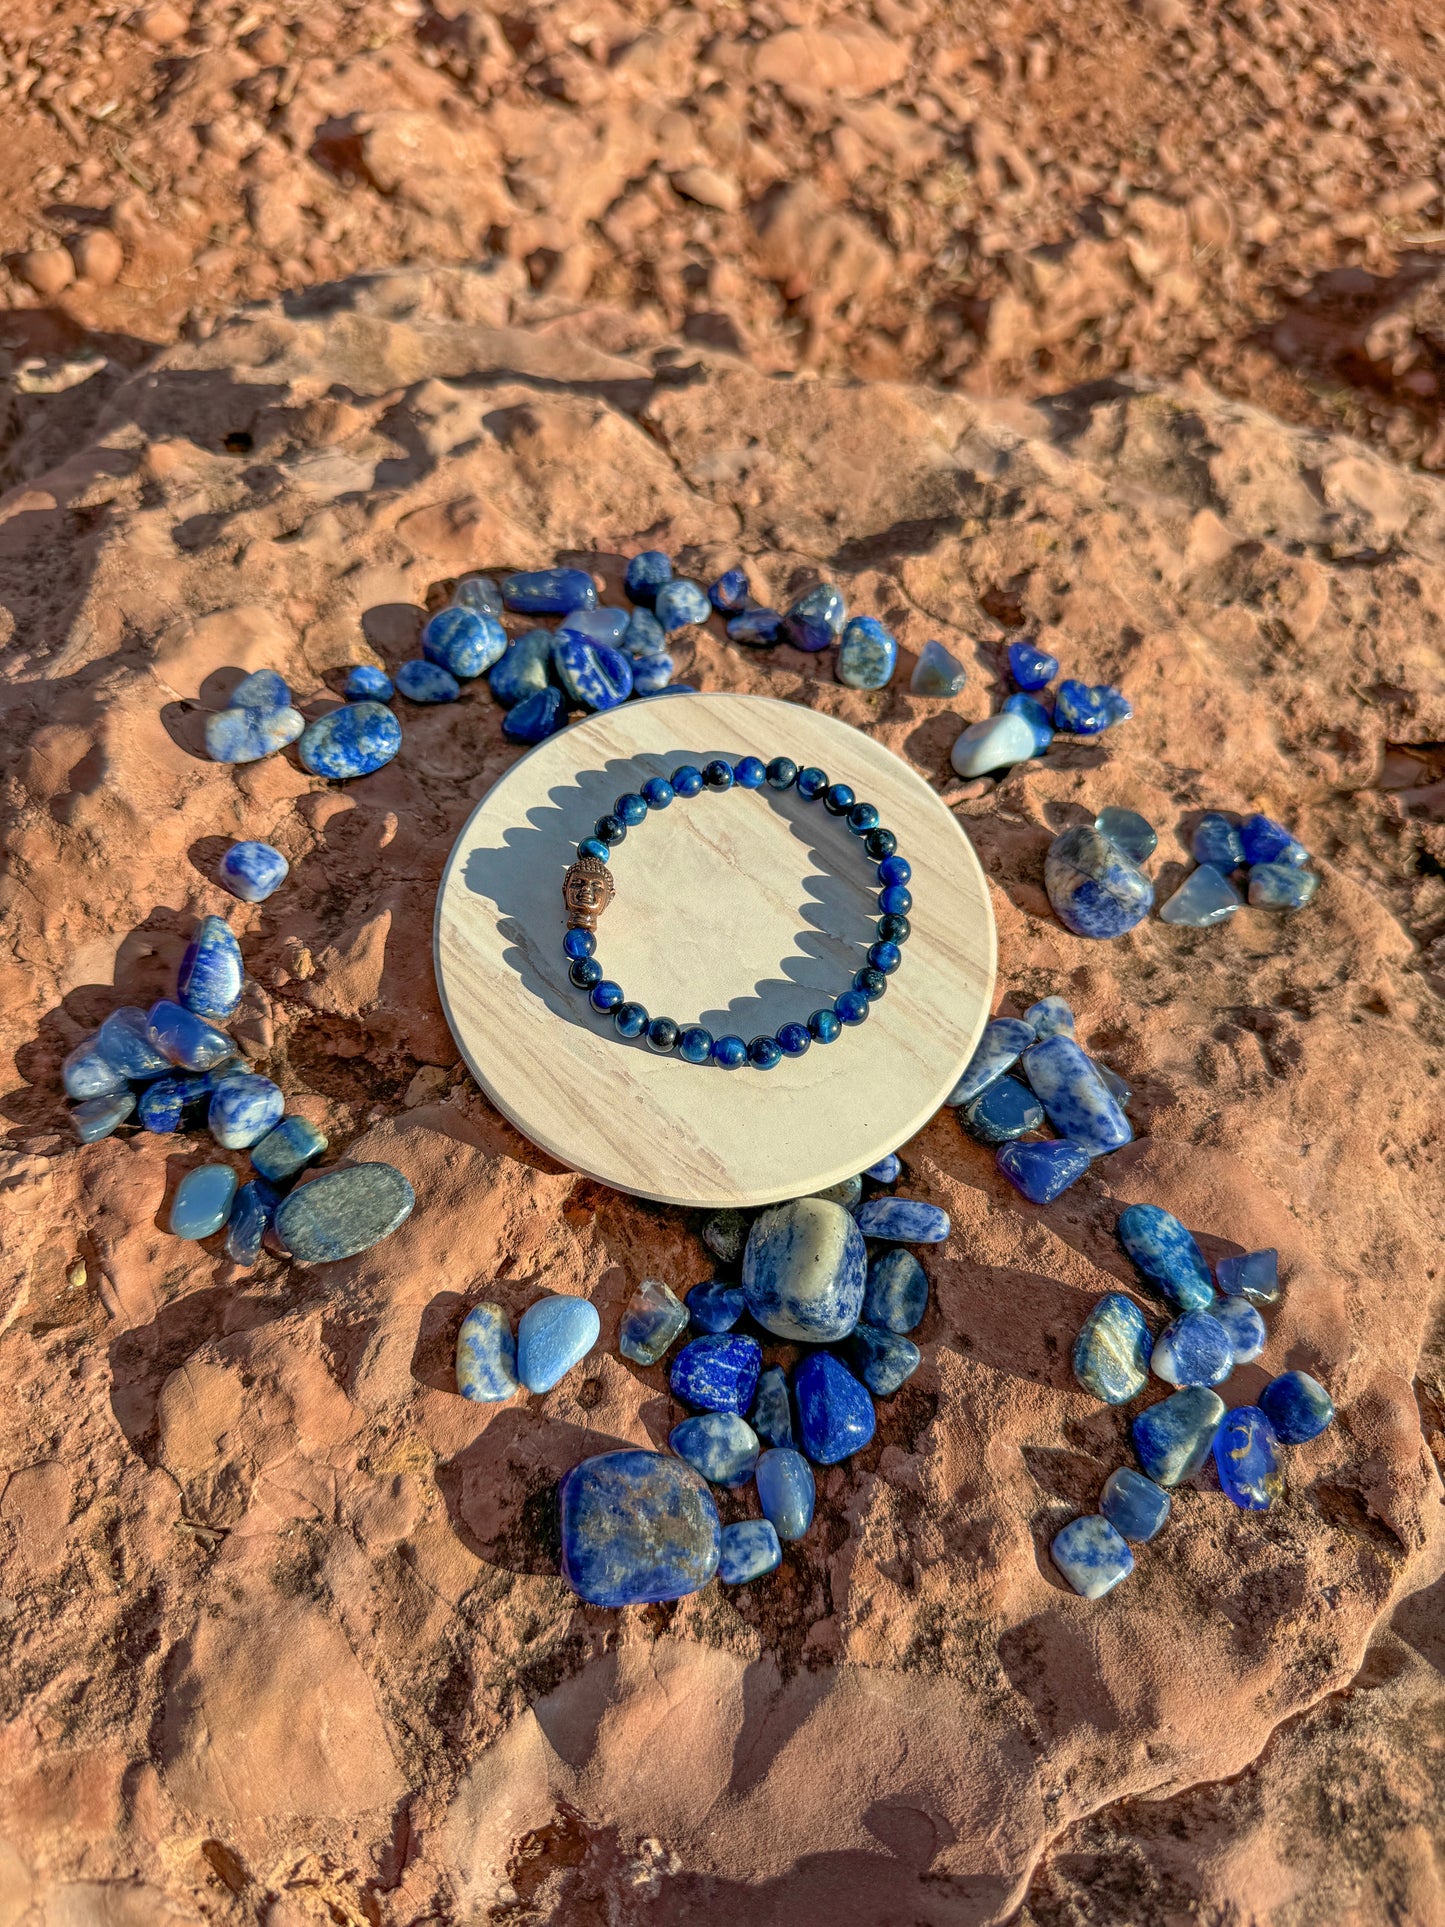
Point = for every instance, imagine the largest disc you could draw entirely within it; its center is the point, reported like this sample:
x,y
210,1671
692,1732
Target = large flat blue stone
x,y
637,1527
1167,1256
342,1213
804,1270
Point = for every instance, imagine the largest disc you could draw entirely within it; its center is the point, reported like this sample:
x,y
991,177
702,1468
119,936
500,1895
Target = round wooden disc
x,y
739,911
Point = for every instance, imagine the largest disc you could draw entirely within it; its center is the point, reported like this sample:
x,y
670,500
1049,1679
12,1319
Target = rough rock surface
x,y
285,1640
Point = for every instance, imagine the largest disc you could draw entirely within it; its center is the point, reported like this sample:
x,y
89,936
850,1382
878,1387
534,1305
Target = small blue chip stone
x,y
209,979
427,682
1041,1170
552,1336
716,1306
1134,1505
464,642
681,604
646,574
1135,835
252,1215
1194,1350
1265,841
730,592
896,1295
1255,1276
772,1413
351,741
1095,889
535,717
1246,1456
750,1550
719,1445
251,871
365,683
1216,840
882,1359
902,1221
867,654
1205,897
262,689
787,1490
643,636
1166,1254
1003,1042
886,1170
549,592
1003,1111
937,672
637,1527
600,625
835,1413
524,670
1079,1103
1279,886
1092,1555
1085,709
1111,1353
1050,1017
1297,1406
717,1373
759,627
1031,668
819,613
1172,1439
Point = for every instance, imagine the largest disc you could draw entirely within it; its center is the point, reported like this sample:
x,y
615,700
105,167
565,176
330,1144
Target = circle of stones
x,y
587,891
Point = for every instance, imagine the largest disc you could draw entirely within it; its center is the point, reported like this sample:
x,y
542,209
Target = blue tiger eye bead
x,y
851,1007
632,808
862,818
730,1052
894,869
605,996
871,982
749,774
885,957
610,829
695,1045
687,779
662,1035
585,972
764,1052
838,799
630,1020
826,1026
895,901
593,846
795,1039
718,775
894,929
578,943
812,782
657,793
782,772
880,843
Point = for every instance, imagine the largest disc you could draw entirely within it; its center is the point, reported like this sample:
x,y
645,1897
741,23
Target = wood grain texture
x,y
739,911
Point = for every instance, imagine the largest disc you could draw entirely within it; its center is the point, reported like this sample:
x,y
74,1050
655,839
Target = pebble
x,y
1092,1555
835,1413
1031,668
896,1296
262,689
637,1527
97,1117
718,1372
1194,1350
1111,1353
478,592
1096,890
535,717
289,1148
886,1170
730,592
602,624
1085,709
725,1233
644,635
342,1213
461,642
209,980
998,742
1204,898
86,1072
244,1108
882,1359
1217,841
1255,1276
937,672
716,1306
1277,886
816,618
1003,1042
1041,1171
203,1201
351,741
594,674
427,682
846,1192
804,1269
252,871
646,573
1036,716
1122,1092
867,654
1079,1104
1166,1253
185,1039
552,1336
760,627
1135,835
123,1040
487,1355
1134,1505
1262,840
772,1413
750,1550
680,604
1050,1017
1172,1439
652,1317
787,1491
652,674
246,735
719,1445
1297,1406
163,1105
1246,1456
1245,1328
549,592
252,1214
903,1221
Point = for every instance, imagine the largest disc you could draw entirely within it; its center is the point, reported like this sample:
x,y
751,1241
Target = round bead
x,y
610,829
812,782
695,1044
630,1020
657,792
795,1039
862,818
749,774
593,846
578,943
632,808
894,929
885,957
730,1052
895,901
894,869
718,775
871,982
662,1035
852,1006
880,843
825,1026
586,972
764,1052
687,779
838,799
782,772
605,996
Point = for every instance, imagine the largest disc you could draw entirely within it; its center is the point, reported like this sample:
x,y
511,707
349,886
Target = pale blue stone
x,y
1135,835
1279,886
1167,1255
867,654
1120,1091
97,1117
287,1149
1111,1353
1035,715
749,1550
937,672
1297,1406
87,1072
998,742
1262,840
772,1413
1246,1457
251,1216
464,642
535,717
902,1221
1204,898
1096,891
593,673
717,1372
637,1527
1084,709
487,1355
1050,1017
804,1269
427,682
1193,1350
243,1109
652,1318
646,573
644,635
886,1170
549,592
1134,1505
1092,1555
262,689
1245,1327
343,1213
203,1201
602,624
351,741
184,1038
758,627
251,871
680,604
896,1296
716,1306
1255,1276
209,979
553,1335
524,670
786,1491
882,1359
719,1445
124,1041
1003,1042
1041,1171
1217,841
1030,667
650,674
478,592
835,1413
1078,1102
246,735
1172,1439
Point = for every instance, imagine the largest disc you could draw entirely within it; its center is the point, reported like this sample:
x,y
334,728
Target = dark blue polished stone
x,y
1246,1329
835,1413
731,1053
886,1170
652,674
782,773
172,1101
1095,889
1217,840
593,846
786,1491
1092,1556
1167,1255
524,670
549,592
794,1039
610,829
885,957
252,1214
772,1413
1079,1104
824,605
662,1035
838,799
1255,1276
1194,1350
1041,1170
760,627
646,574
251,871
902,1221
729,593
287,1149
185,1039
637,1527
680,604
1031,668
209,979
536,717
427,682
1085,709
895,869
1173,1438
464,642
851,1007
344,1212
1265,841
812,783
764,1052
1133,1504
750,1550
750,773
720,1446
882,1359
1297,1406
896,1295
716,1306
718,1372
687,780
1111,1353
1246,1457
593,674
351,741
694,1044
1003,1111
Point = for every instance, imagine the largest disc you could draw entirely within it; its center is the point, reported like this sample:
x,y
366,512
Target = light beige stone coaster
x,y
739,911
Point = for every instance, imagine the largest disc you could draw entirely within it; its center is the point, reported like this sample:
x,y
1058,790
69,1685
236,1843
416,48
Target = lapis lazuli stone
x,y
1079,1104
1193,1350
1167,1255
1255,1276
600,625
719,1445
203,1201
1217,841
680,604
1003,1042
1204,898
427,682
86,1072
896,1296
729,593
262,689
1297,1406
804,1270
646,574
1050,1017
1278,886
1246,1456
243,1109
486,1355
1265,841
1041,1170
464,642
902,1221
1035,715
351,741
996,742
124,1041
886,1170
478,592
1096,891
246,735
1092,1555
593,673
1084,709
937,672
835,1413
644,635
867,654
209,980
251,871
882,1359
549,592
164,1105
1002,1111
651,674
637,1527
787,1490
343,1213
1135,835
535,717
253,1212
772,1413
1030,667
760,627
1173,1438
1246,1329
651,1319
750,1550
718,1372
1133,1504
552,1336
716,1306
184,1038
96,1117
290,1147
1111,1353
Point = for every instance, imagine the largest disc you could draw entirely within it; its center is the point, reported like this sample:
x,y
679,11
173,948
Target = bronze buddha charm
x,y
587,889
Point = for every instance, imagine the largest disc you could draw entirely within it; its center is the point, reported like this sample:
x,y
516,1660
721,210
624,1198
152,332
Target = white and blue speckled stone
x,y
804,1270
1092,1555
1003,1042
1079,1104
487,1355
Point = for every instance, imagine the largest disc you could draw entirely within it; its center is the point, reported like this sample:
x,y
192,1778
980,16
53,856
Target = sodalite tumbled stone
x,y
1030,667
163,1105
1217,841
86,1072
680,604
1297,1406
646,574
524,670
1111,1353
997,742
487,1355
867,654
549,592
644,635
902,1221
243,1110
1262,840
835,1413
1133,1504
882,1359
637,1527
1042,1171
846,1192
1003,1042
342,1213
1096,891
203,1201
124,1041
772,1413
715,1306
1194,1350
1204,898
652,674
651,1319
719,1445
1050,1017
896,1295
351,741
535,717
759,627
1135,835
816,618
184,1038
1278,886
1246,1329
730,592
209,979
1173,1438
1092,1555
786,1491
1255,1276
1167,1255
1005,1110
97,1117
262,689
750,1549
246,735
552,1336
464,642
251,871
253,1211
427,682
804,1270
594,674
1084,709
886,1170
1080,1105
937,672
367,683
289,1148
1246,1456
718,1372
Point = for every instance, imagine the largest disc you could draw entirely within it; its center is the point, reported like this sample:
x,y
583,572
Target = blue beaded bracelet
x,y
588,888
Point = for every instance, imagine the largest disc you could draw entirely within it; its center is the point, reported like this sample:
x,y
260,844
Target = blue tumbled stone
x,y
886,1170
804,1270
1041,1170
651,1319
1245,1328
351,741
1096,890
487,1355
1092,1555
1193,1350
209,979
882,1359
184,1038
549,592
246,735
1031,668
243,1109
847,1192
601,624
729,593
646,574
835,1413
823,605
427,682
524,670
1133,1504
1119,1090
1003,1042
750,1550
163,1105
1079,1104
478,592
993,743
718,1372
552,1336
1111,1353
203,1201
1204,898
902,1221
716,1306
1278,886
680,604
251,871
1172,1439
1003,1111
1035,715
253,1212
896,1296
535,717
719,1445
1216,840
1135,835
1255,1276
1084,709
867,654
87,1072
651,674
637,1527
594,674
1167,1255
96,1117
1297,1406
1262,840
1246,1456
124,1042
760,627
1050,1017
644,635
937,672
772,1413
464,642
262,689
287,1149
786,1491
343,1213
